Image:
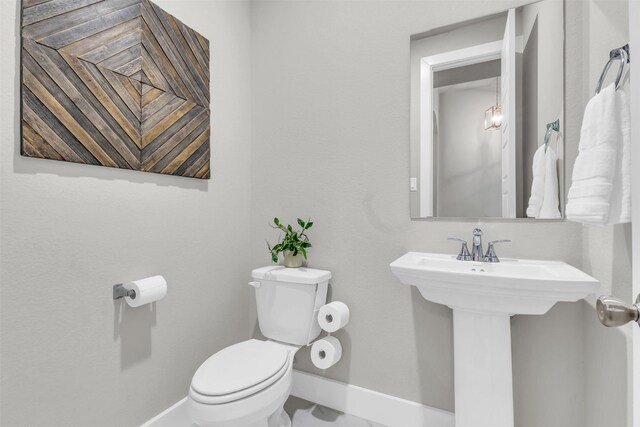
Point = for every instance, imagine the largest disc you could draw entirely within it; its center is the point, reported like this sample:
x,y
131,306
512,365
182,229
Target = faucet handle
x,y
500,241
464,254
491,256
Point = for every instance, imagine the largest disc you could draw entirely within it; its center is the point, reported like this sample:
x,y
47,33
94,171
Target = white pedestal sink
x,y
483,297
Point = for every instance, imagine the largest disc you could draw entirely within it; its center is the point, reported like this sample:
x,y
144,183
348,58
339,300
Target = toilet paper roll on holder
x,y
119,291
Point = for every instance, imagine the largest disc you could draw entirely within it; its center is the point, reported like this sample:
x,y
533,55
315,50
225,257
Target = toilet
x,y
246,384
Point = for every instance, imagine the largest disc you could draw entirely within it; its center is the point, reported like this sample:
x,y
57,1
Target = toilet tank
x,y
288,300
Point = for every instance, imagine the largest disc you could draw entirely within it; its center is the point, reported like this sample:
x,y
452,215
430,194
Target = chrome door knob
x,y
615,312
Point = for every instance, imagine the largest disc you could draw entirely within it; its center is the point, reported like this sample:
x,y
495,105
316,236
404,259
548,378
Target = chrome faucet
x,y
476,249
476,246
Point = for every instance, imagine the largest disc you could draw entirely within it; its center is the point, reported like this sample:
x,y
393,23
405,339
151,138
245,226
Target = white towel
x,y
621,196
537,186
601,184
550,200
544,202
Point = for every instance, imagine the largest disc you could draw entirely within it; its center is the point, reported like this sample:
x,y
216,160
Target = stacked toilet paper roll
x,y
326,352
146,290
331,317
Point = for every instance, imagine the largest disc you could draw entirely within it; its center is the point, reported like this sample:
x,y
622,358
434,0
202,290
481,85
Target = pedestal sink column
x,y
482,366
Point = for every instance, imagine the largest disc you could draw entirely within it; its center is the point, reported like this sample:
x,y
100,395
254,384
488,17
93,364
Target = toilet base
x,y
279,419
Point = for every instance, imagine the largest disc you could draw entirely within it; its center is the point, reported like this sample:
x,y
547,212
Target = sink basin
x,y
483,297
512,286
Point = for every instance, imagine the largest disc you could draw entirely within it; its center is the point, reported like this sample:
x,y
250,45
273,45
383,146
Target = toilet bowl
x,y
244,385
247,384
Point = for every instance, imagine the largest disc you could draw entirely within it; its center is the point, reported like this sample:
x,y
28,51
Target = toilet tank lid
x,y
302,275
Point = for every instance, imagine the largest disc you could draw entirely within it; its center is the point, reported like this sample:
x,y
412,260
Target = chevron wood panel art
x,y
117,83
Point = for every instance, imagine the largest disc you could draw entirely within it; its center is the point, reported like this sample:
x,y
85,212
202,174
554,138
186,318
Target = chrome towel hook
x,y
553,126
621,54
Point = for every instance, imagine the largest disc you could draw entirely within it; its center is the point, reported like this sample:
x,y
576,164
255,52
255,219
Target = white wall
x,y
70,355
330,134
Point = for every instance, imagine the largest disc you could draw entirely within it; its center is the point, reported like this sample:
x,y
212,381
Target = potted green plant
x,y
293,244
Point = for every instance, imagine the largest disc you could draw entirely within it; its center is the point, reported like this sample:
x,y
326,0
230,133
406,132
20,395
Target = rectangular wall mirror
x,y
486,94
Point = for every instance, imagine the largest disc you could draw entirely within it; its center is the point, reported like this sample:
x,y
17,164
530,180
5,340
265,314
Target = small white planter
x,y
291,261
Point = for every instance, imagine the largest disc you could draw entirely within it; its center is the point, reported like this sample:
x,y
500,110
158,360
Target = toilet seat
x,y
239,371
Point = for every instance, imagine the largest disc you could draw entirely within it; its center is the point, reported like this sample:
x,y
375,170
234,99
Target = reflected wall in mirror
x,y
486,97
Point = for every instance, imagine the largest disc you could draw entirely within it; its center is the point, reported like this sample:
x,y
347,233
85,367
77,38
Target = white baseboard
x,y
368,404
350,399
174,416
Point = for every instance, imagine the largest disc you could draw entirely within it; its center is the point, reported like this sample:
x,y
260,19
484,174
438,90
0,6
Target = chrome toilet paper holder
x,y
119,291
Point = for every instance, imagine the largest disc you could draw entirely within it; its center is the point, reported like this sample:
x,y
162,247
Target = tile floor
x,y
308,414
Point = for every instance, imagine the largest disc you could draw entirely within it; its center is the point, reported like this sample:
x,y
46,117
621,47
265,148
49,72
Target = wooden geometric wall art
x,y
117,83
